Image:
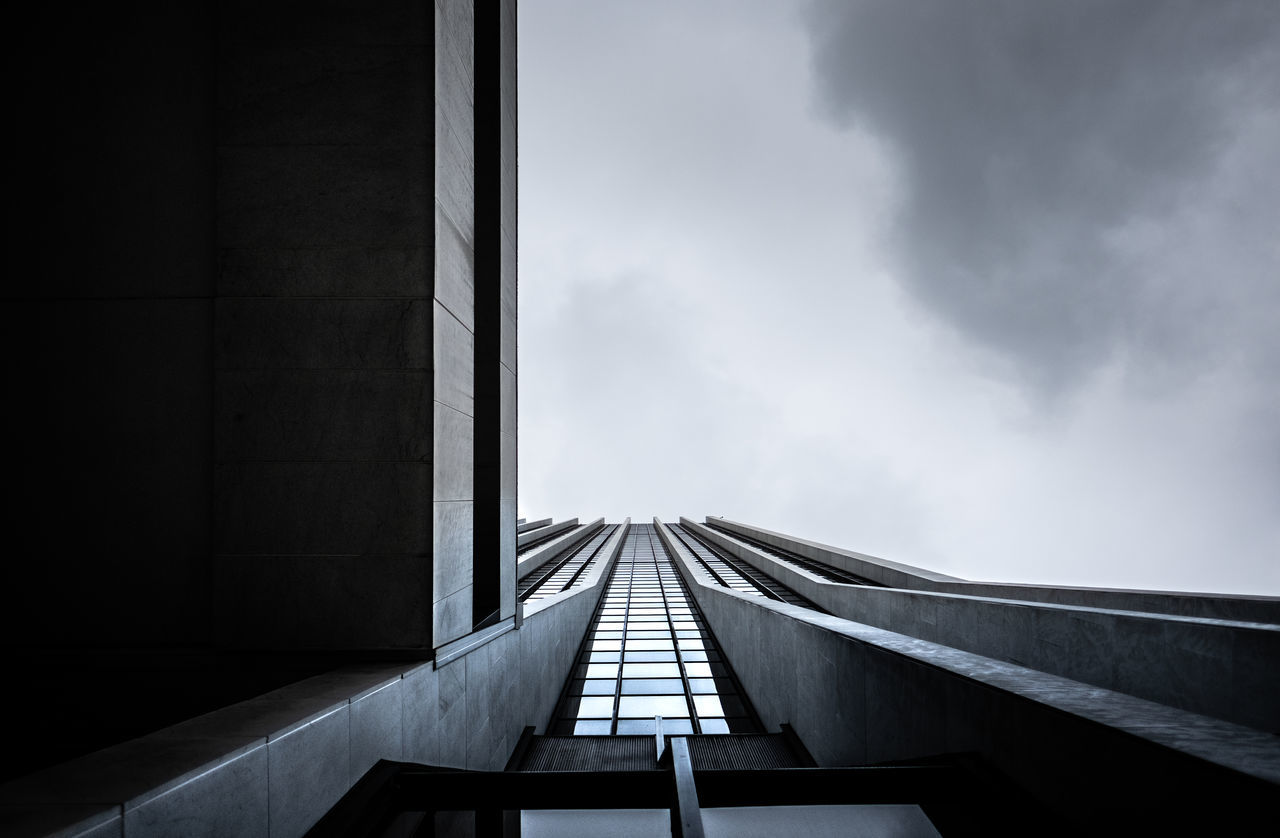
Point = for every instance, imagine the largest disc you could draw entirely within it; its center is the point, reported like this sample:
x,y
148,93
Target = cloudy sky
x,y
987,287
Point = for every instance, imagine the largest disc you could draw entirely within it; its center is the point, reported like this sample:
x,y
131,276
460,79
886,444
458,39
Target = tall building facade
x,y
267,574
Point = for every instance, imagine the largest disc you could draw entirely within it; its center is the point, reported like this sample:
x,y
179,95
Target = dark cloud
x,y
1052,157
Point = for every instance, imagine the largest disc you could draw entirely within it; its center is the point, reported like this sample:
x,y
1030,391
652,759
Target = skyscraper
x,y
266,540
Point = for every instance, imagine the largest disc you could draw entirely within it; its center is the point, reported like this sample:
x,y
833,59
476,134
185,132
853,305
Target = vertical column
x,y
323,326
507,324
493,591
454,311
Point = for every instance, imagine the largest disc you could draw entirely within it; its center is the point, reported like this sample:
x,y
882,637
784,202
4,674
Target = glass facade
x,y
649,653
562,574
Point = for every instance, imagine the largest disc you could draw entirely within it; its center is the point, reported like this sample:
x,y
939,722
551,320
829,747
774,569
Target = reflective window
x,y
649,654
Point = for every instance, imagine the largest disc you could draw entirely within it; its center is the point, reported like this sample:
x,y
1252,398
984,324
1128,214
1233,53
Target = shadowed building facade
x,y
265,563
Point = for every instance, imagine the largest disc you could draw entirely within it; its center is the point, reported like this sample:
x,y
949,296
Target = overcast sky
x,y
991,288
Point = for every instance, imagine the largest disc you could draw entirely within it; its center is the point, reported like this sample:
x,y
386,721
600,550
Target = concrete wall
x,y
239,337
1240,607
857,694
323,327
106,326
1220,668
243,365
275,764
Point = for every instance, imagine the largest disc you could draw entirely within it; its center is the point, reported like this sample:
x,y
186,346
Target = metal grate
x,y
590,753
742,752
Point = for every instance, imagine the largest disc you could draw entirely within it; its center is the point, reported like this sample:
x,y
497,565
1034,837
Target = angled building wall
x,y
267,364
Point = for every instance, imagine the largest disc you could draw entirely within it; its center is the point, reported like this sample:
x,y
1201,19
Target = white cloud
x,y
713,321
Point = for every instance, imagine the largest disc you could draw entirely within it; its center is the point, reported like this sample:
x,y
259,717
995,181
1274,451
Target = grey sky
x,y
985,287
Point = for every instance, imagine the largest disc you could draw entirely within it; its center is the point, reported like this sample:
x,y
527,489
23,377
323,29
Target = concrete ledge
x,y
523,526
455,649
1221,668
539,556
530,536
857,695
210,773
1241,608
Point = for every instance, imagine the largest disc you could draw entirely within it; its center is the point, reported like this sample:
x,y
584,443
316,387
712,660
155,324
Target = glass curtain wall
x,y
649,653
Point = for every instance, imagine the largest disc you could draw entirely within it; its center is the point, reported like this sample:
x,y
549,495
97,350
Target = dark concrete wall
x,y
323,326
241,372
107,326
221,350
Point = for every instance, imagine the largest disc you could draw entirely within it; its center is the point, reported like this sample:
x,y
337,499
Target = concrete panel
x,y
453,27
507,557
451,617
508,352
289,333
324,94
452,556
454,76
326,271
420,696
480,677
315,196
454,358
301,22
333,414
510,469
322,602
322,508
377,728
452,698
310,771
228,800
455,271
454,443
